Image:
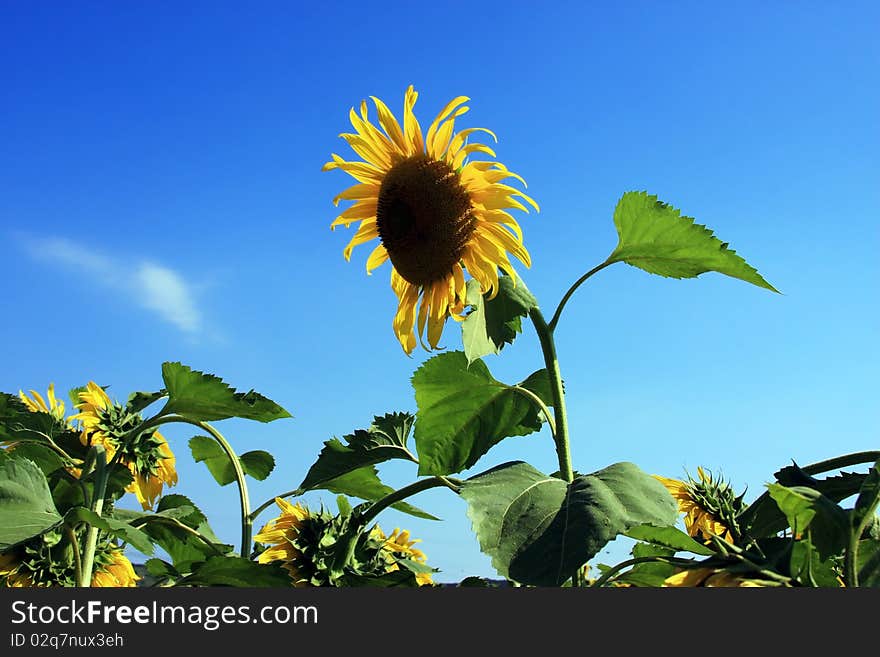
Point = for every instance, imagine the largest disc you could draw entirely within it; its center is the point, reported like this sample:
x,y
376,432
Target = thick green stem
x,y
346,551
560,436
247,522
571,291
88,560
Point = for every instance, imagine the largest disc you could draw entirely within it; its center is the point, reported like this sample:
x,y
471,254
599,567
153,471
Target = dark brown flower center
x,y
425,218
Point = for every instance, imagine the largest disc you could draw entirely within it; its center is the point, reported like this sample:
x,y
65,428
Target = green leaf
x,y
235,571
648,573
670,537
205,397
463,412
763,518
869,562
809,568
18,423
138,401
45,457
808,510
183,548
385,439
539,530
26,506
113,526
495,322
656,238
869,494
365,484
258,464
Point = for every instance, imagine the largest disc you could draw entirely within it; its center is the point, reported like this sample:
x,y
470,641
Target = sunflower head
x,y
146,455
48,561
710,506
398,547
50,405
306,542
712,577
436,214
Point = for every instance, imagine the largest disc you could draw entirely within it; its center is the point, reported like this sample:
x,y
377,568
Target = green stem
x,y
560,436
571,291
101,471
851,567
842,462
77,556
247,522
345,553
525,392
265,505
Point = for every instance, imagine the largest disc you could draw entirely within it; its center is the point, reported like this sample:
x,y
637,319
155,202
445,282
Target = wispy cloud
x,y
152,286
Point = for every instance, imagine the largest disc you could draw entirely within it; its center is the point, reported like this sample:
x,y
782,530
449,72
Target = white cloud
x,y
152,286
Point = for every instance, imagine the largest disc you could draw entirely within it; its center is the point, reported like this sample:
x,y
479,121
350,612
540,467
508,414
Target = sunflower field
x,y
439,208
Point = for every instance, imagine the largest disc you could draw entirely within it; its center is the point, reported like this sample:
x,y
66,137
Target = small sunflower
x,y
148,458
38,565
36,404
709,505
282,534
435,213
710,577
399,546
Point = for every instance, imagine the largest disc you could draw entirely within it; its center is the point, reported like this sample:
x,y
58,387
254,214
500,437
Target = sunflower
x,y
282,535
36,404
37,566
399,546
435,213
148,457
711,577
710,507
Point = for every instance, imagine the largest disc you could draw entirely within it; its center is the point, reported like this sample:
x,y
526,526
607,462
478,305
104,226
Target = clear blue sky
x,y
161,198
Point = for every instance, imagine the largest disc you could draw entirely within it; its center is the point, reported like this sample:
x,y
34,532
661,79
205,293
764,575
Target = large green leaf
x,y
463,411
539,530
17,423
258,464
494,322
205,397
808,510
869,562
26,506
365,484
235,571
113,526
657,238
384,440
668,537
44,456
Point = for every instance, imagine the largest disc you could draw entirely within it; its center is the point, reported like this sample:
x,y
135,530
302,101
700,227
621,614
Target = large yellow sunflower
x,y
149,458
112,570
281,534
436,214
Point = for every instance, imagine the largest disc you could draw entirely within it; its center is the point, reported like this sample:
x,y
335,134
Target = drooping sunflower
x,y
710,506
399,546
39,565
710,577
148,457
282,534
113,569
435,213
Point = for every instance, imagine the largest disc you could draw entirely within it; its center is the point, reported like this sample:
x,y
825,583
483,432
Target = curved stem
x,y
525,392
265,505
571,291
548,347
842,462
246,520
101,471
851,559
343,556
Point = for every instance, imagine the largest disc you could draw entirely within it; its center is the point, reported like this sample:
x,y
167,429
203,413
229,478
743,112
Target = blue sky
x,y
161,198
